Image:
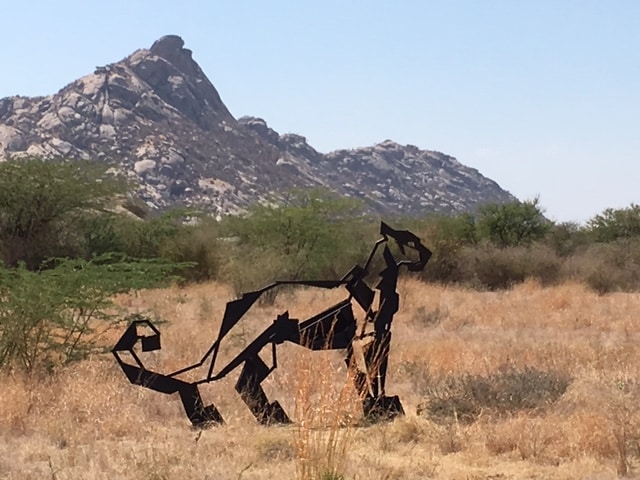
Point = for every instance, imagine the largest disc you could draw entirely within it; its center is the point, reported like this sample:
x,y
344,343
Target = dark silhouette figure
x,y
334,328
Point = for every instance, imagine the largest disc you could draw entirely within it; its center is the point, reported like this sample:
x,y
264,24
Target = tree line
x,y
78,210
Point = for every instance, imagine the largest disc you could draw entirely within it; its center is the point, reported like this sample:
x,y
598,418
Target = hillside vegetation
x,y
80,210
514,352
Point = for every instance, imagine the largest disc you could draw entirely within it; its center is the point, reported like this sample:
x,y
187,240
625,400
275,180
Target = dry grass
x,y
87,422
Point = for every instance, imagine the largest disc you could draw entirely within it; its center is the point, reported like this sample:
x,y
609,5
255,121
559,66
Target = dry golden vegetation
x,y
450,345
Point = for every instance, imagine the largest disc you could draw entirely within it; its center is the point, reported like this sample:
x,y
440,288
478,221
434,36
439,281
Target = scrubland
x,y
567,357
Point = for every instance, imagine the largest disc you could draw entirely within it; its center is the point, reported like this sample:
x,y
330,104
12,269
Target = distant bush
x,y
608,267
566,238
512,224
464,397
613,224
316,236
80,210
488,267
311,235
145,238
199,244
503,246
494,268
447,237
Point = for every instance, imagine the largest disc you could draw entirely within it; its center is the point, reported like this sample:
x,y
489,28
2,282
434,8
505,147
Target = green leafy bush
x,y
311,235
613,224
58,315
43,204
512,224
566,239
199,244
447,238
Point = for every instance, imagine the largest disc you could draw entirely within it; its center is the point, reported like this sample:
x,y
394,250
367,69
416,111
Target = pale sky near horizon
x,y
541,96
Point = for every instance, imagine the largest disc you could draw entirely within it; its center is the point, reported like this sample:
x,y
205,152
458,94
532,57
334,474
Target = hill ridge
x,y
158,118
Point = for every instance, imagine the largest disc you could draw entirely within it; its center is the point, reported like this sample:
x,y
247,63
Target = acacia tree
x,y
613,224
59,315
54,313
513,224
42,201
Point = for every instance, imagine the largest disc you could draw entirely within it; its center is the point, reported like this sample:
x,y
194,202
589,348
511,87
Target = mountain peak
x,y
171,48
157,116
169,69
168,44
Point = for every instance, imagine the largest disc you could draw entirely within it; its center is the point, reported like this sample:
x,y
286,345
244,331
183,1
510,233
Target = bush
x,y
446,265
495,268
605,279
138,238
613,224
566,239
42,205
200,245
57,316
609,267
312,236
447,237
512,224
463,398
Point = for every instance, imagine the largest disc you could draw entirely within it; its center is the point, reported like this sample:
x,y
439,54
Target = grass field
x,y
87,422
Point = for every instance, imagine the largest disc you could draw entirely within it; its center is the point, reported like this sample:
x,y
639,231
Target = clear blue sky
x,y
541,96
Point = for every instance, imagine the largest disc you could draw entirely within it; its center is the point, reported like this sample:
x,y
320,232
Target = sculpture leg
x,y
248,386
375,404
199,415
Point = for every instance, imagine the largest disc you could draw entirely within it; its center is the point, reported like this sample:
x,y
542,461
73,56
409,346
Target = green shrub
x,y
200,245
566,239
512,224
447,263
496,269
446,237
313,235
43,205
58,315
146,238
613,224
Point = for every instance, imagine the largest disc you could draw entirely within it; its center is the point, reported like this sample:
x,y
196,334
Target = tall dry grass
x,y
87,422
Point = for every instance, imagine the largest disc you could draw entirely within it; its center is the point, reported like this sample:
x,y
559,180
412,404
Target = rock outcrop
x,y
156,117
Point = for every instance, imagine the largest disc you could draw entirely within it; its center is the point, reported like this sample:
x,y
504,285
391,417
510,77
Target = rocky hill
x,y
156,117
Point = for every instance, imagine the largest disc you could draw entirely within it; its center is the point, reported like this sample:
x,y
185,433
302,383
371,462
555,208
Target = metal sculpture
x,y
334,328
